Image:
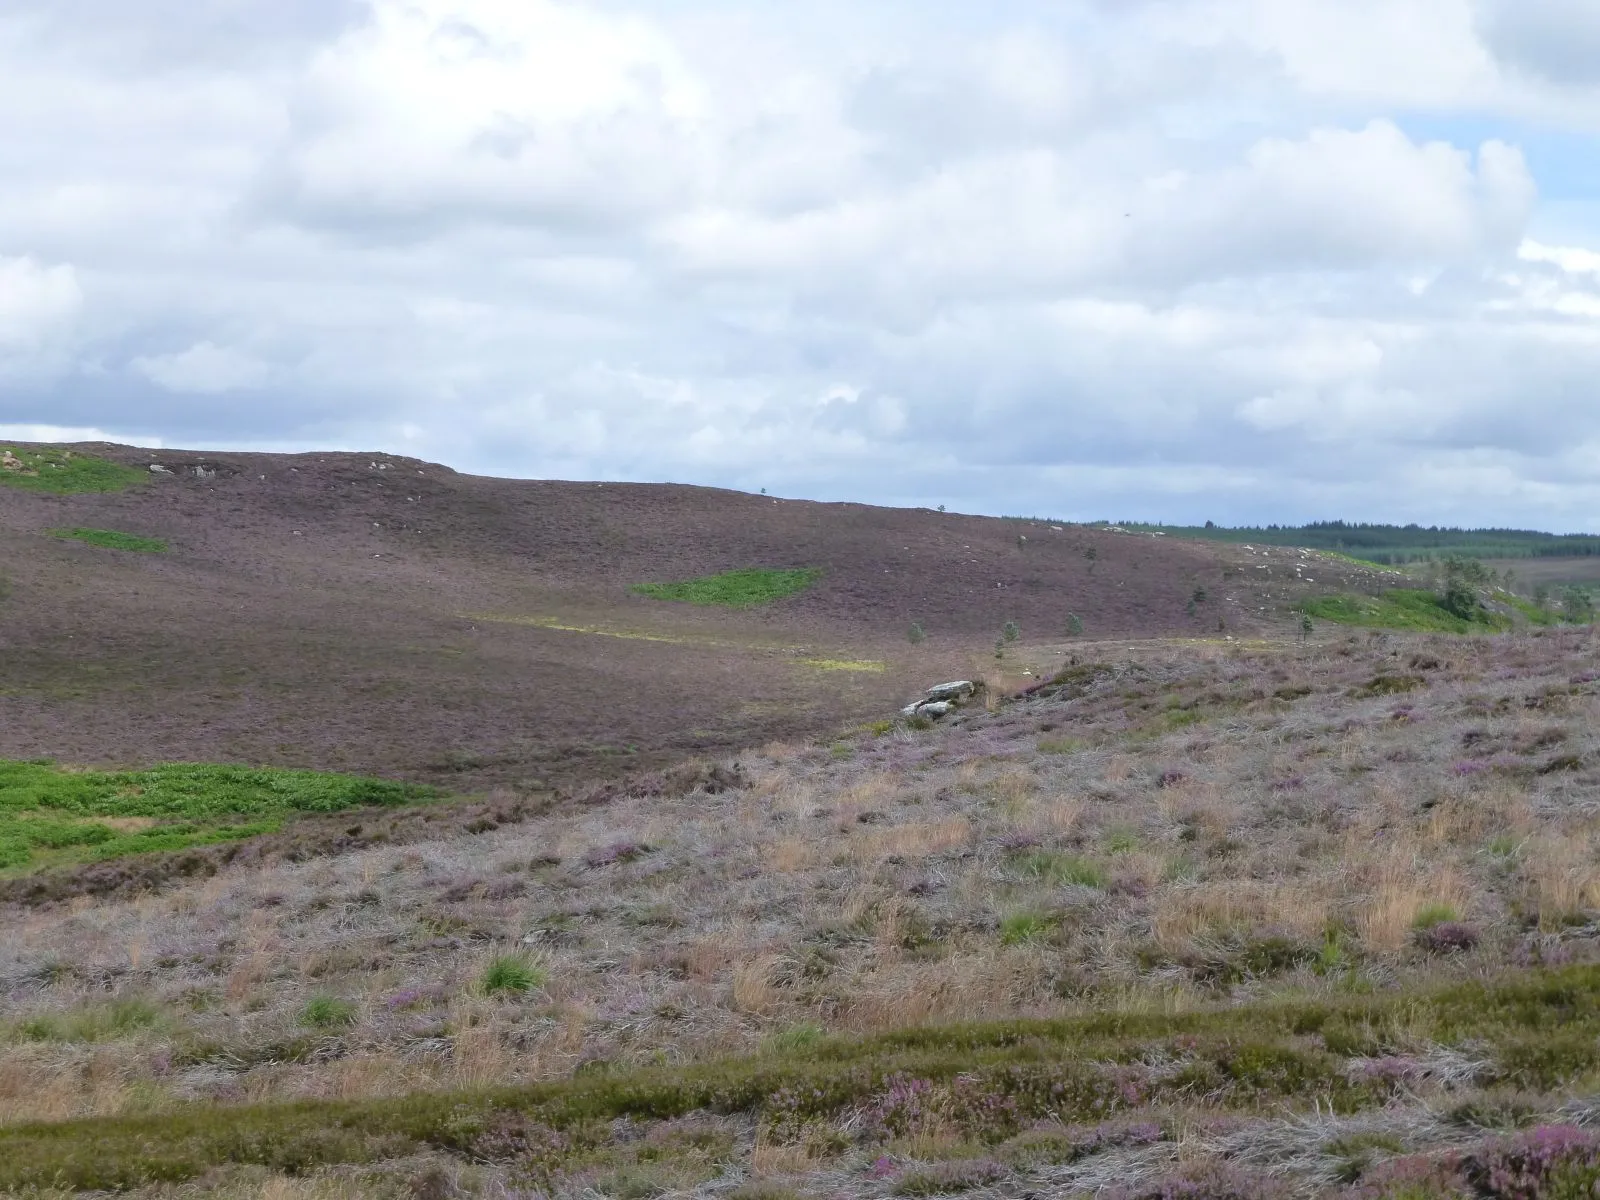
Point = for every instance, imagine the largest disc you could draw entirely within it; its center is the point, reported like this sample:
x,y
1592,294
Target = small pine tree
x,y
916,635
1074,624
1305,626
1010,632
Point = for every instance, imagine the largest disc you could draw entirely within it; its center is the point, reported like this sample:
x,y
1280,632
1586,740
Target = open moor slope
x,y
384,615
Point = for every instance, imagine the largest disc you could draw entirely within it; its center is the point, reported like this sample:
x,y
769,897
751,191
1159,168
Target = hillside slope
x,y
366,612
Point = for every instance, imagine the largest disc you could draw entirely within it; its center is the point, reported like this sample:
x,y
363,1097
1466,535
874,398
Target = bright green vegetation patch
x,y
51,815
734,589
1535,614
1413,609
112,540
1533,1032
64,472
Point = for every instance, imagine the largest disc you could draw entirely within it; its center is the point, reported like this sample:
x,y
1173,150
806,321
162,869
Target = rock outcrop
x,y
943,699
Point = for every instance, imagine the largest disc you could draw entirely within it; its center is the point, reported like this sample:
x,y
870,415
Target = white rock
x,y
959,689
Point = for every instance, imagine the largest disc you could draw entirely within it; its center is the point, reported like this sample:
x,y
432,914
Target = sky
x,y
1237,260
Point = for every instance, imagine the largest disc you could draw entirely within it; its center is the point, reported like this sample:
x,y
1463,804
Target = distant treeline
x,y
1392,545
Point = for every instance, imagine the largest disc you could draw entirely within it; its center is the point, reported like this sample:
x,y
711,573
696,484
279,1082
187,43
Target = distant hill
x,y
384,615
1391,545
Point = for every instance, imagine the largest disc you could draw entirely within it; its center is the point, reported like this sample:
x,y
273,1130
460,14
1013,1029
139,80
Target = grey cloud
x,y
1558,40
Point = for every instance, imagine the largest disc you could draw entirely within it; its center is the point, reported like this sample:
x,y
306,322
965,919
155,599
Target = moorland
x,y
410,834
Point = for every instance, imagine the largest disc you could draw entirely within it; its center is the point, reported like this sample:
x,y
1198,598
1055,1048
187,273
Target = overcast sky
x,y
1246,260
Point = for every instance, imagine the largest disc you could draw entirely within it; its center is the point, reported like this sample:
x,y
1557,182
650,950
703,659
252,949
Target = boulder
x,y
942,700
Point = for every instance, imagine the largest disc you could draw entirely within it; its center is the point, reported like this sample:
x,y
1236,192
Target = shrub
x,y
1448,937
1074,624
617,852
514,974
1010,631
916,634
945,1178
327,1012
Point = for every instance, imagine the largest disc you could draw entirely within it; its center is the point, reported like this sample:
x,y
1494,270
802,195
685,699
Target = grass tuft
x,y
512,974
327,1012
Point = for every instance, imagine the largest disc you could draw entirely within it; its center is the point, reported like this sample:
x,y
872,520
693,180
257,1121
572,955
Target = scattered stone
x,y
158,469
10,462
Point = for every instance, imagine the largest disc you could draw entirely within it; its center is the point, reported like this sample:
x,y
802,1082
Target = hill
x,y
382,615
1396,545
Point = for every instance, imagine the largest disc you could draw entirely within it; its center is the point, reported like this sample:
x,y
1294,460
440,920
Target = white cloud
x,y
1076,256
203,369
64,433
36,302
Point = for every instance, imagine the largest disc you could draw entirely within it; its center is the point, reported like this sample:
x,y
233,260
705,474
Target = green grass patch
x,y
1413,609
512,975
113,540
1019,929
1539,1030
1531,611
327,1012
734,589
92,1024
52,815
1057,868
66,472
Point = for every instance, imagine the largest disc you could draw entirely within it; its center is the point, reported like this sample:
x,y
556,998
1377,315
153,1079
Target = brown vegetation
x,y
382,615
1159,831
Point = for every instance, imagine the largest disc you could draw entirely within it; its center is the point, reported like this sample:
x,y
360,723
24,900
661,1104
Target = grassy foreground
x,y
988,1088
52,815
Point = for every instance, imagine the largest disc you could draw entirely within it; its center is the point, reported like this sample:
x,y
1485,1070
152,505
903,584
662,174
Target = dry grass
x,y
1142,872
